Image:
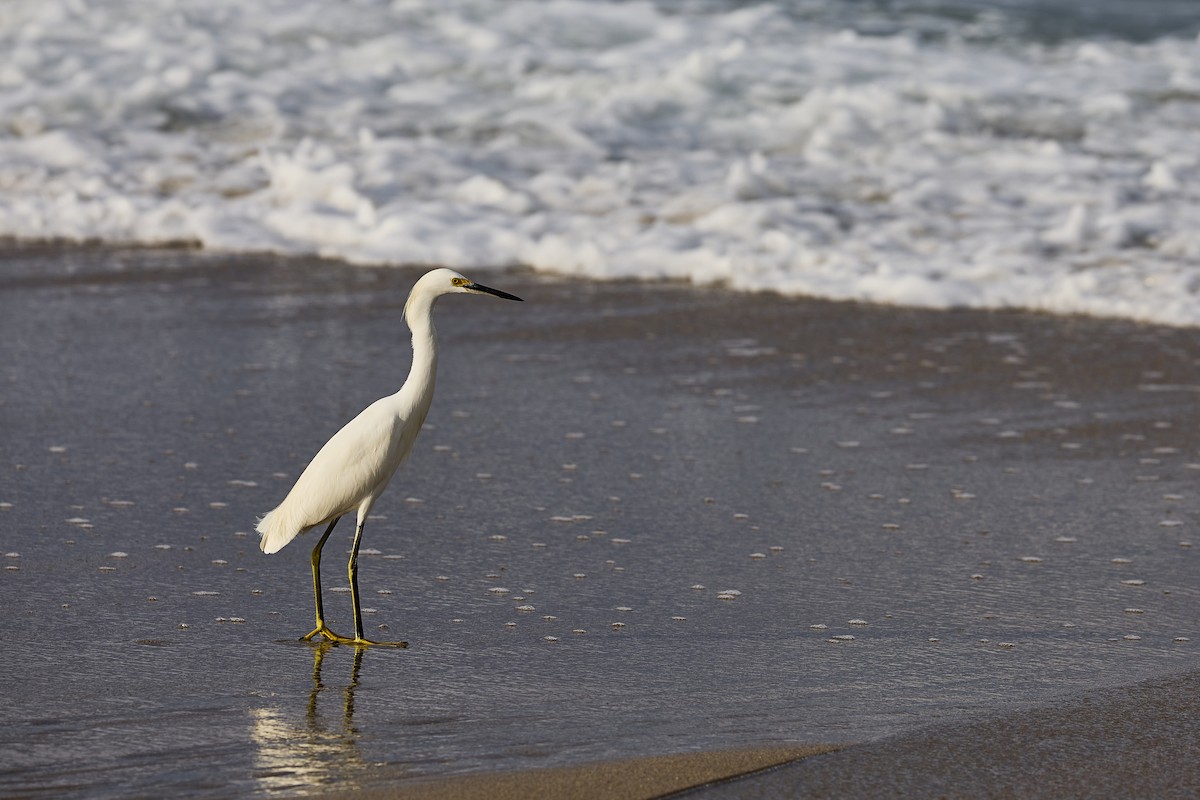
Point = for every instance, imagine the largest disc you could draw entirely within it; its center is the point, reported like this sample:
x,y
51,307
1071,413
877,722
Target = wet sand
x,y
655,776
1138,741
645,520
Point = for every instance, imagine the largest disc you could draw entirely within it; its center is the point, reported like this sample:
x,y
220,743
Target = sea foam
x,y
930,161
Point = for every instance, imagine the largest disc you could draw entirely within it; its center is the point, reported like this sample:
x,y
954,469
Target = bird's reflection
x,y
318,752
314,721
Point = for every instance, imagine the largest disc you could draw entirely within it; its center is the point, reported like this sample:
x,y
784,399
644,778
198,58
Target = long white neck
x,y
417,392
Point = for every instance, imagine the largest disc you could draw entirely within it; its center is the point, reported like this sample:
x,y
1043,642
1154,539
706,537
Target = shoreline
x,y
525,272
1015,749
1135,740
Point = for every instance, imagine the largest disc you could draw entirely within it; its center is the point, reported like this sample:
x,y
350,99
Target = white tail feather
x,y
276,529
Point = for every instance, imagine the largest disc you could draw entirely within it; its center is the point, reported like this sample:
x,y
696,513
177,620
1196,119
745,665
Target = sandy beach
x,y
653,536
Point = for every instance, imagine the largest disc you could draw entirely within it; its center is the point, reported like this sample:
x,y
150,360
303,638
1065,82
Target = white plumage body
x,y
356,465
350,472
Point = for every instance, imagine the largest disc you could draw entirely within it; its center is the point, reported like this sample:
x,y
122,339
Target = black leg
x,y
353,569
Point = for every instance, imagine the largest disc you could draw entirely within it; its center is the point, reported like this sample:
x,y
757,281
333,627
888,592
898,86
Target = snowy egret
x,y
354,467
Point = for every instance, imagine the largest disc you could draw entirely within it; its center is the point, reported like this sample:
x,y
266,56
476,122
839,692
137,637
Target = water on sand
x,y
643,519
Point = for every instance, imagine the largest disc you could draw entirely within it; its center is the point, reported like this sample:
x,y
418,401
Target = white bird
x,y
354,467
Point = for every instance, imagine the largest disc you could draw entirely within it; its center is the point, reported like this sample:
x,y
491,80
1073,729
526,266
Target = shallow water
x,y
978,489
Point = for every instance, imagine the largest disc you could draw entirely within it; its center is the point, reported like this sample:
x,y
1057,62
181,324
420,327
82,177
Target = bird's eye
x,y
459,281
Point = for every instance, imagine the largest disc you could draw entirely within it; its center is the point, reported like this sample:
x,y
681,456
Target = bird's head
x,y
446,281
438,282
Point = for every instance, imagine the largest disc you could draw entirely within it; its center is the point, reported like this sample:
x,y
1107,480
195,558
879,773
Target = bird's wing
x,y
351,465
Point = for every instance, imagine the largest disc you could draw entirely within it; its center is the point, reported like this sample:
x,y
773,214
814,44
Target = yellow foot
x,y
360,642
323,631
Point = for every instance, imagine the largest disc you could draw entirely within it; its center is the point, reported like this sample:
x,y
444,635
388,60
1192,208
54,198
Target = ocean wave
x,y
790,147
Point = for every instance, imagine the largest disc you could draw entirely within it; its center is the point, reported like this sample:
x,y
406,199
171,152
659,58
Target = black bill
x,y
479,287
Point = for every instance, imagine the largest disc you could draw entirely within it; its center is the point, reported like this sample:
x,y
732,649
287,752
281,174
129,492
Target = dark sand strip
x,y
1138,741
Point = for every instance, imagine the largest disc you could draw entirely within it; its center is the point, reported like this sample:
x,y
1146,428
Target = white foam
x,y
758,148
